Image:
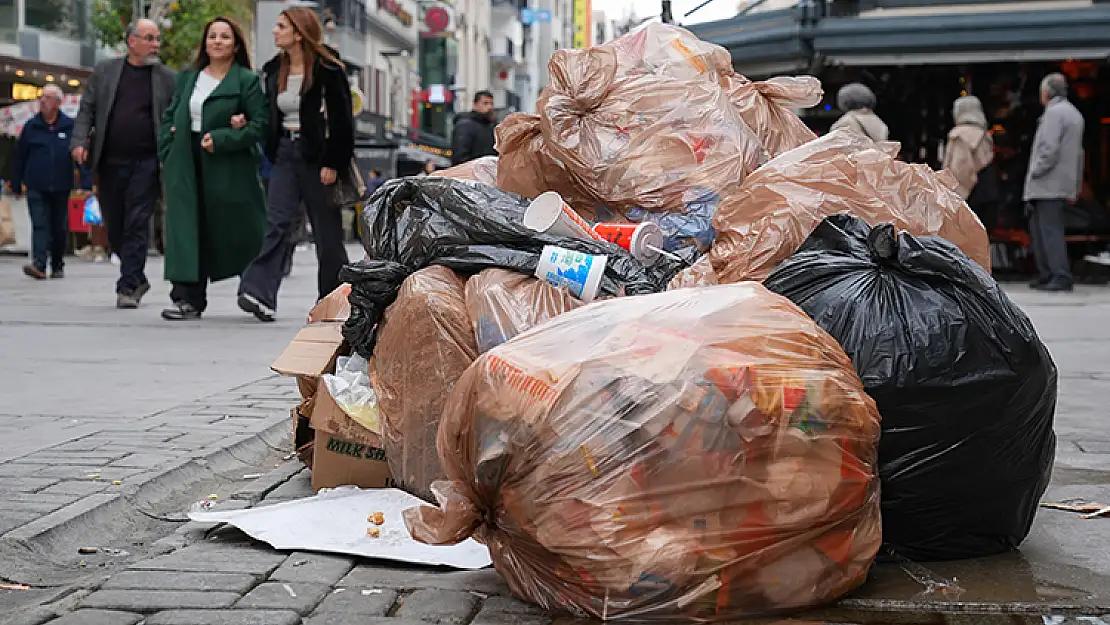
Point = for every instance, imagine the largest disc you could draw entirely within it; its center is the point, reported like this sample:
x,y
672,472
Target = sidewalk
x,y
103,435
1062,575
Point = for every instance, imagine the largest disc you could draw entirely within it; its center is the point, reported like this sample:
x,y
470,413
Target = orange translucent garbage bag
x,y
766,108
482,170
644,131
777,207
698,454
424,345
502,304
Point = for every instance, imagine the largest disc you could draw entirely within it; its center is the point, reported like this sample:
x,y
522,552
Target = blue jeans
x,y
50,224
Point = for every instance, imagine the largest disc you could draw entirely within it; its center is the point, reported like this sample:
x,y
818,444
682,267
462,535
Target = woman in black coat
x,y
310,140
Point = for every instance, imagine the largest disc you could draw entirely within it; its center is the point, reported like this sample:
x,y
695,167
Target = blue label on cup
x,y
562,267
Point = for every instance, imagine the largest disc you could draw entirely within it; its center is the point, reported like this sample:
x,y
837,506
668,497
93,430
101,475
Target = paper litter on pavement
x,y
334,521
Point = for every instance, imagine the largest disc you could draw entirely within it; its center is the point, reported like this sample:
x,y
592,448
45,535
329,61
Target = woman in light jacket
x,y
858,101
310,141
970,147
970,150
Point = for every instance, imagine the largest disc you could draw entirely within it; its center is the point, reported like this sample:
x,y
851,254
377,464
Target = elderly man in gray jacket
x,y
1054,177
116,135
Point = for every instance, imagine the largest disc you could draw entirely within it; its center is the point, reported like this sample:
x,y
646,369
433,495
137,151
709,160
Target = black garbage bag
x,y
966,389
411,223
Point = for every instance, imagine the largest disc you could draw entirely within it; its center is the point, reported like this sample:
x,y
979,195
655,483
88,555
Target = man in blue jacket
x,y
43,164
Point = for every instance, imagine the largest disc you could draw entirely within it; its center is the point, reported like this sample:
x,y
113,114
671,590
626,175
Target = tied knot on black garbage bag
x,y
374,286
883,241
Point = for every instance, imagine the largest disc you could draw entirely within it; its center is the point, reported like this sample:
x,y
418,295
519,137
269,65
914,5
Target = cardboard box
x,y
334,307
339,462
344,452
312,352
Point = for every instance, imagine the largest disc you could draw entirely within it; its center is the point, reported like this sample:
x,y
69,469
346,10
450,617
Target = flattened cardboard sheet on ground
x,y
336,521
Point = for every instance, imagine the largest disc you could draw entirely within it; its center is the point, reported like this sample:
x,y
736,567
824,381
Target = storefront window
x,y
7,21
63,17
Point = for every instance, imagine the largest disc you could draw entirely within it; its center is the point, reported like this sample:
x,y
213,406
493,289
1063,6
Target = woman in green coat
x,y
208,145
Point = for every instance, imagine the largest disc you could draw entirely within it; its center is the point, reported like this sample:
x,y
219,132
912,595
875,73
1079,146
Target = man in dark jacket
x,y
116,134
43,164
473,134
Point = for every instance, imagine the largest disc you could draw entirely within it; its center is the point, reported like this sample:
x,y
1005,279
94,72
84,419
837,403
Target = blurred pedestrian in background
x,y
310,139
1054,179
473,134
429,169
215,208
969,154
43,164
858,103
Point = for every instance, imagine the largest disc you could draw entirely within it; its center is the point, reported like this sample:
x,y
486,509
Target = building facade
x,y
508,63
41,42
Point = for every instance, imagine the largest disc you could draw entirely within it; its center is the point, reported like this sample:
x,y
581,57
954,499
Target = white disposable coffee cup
x,y
549,213
580,272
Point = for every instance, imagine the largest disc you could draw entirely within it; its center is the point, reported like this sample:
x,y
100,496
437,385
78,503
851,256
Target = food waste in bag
x,y
641,121
412,223
777,207
503,304
966,389
698,454
425,343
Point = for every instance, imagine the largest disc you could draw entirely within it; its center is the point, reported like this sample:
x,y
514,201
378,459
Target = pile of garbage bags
x,y
694,445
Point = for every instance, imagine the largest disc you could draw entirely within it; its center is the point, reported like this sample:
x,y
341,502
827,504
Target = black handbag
x,y
349,188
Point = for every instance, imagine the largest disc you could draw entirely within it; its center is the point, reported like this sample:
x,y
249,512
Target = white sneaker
x,y
1102,258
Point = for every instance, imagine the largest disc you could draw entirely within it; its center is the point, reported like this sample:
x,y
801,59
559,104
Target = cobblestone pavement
x,y
213,574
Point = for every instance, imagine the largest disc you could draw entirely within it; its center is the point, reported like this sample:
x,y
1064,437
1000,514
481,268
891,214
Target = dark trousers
x,y
196,293
292,181
1046,229
50,226
129,190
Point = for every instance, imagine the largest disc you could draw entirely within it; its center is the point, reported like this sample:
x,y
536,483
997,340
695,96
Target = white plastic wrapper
x,y
350,388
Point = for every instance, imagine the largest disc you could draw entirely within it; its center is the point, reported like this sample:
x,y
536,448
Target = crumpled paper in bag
x,y
502,304
482,170
424,345
777,207
699,454
638,121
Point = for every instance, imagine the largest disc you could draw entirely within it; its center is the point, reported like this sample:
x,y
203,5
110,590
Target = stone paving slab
x,y
313,568
225,617
445,607
299,597
360,601
150,601
98,617
179,580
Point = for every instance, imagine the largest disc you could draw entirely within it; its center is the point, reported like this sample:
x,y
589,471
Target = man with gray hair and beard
x,y
1054,177
121,110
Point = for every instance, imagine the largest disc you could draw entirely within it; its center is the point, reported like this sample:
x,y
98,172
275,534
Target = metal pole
x,y
136,10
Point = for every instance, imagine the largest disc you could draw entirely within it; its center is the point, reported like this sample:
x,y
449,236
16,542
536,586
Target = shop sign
x,y
394,8
543,16
431,149
581,24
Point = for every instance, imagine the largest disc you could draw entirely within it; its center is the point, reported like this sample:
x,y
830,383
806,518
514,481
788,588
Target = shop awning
x,y
988,36
761,44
